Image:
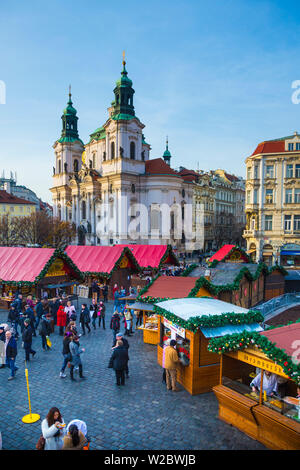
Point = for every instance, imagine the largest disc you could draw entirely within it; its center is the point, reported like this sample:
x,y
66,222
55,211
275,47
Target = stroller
x,y
81,425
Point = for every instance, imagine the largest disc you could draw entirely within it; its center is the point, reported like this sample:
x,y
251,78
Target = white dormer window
x,y
297,145
290,147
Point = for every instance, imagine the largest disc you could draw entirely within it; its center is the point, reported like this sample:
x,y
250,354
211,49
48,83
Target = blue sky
x,y
214,76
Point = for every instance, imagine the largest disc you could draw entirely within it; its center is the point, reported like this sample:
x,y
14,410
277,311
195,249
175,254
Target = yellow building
x,y
15,206
273,201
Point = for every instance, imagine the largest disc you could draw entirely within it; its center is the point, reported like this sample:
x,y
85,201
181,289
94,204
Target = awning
x,y
63,284
267,253
142,306
229,330
251,251
290,253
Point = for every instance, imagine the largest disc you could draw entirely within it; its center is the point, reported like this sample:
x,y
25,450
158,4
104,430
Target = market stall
x,y
108,265
150,321
271,413
34,271
192,322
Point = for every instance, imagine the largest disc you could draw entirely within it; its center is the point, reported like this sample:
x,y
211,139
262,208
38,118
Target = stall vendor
x,y
270,383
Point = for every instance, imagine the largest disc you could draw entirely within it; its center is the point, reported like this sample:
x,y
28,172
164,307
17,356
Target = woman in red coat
x,y
61,319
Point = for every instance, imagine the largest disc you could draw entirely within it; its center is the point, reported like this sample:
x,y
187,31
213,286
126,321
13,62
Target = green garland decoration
x,y
211,321
189,269
237,342
57,254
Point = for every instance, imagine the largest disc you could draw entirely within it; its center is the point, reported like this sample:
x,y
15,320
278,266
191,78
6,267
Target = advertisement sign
x,y
175,329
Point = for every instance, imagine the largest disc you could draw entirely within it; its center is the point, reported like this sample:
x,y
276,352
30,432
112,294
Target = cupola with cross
x,y
167,154
123,103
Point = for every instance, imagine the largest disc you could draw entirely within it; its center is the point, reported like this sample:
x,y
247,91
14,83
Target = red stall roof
x,y
172,287
97,259
285,337
221,254
152,255
23,264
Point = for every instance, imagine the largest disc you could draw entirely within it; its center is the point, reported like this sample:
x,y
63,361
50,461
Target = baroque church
x,y
110,188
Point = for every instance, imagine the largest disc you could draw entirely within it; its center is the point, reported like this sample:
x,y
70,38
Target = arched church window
x,y
117,99
94,160
83,209
132,150
112,150
75,165
59,166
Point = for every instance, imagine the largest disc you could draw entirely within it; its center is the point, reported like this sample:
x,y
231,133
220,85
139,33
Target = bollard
x,y
31,417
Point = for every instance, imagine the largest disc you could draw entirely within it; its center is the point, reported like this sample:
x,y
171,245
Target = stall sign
x,y
124,262
260,363
174,328
56,269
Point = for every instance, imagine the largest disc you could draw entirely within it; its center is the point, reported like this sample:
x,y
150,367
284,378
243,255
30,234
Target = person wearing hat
x,y
119,337
27,339
171,361
2,347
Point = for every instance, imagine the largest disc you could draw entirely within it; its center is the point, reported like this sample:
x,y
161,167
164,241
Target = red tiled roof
x,y
174,287
276,146
23,264
158,166
6,198
151,255
284,337
231,177
95,259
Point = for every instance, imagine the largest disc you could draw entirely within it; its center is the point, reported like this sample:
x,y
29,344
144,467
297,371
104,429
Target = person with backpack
x,y
27,339
85,318
45,330
101,314
115,325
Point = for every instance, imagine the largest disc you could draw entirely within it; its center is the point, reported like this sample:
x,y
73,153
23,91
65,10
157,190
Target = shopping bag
x,y
49,344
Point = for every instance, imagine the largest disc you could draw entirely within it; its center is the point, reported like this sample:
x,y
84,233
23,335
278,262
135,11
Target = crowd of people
x,y
27,319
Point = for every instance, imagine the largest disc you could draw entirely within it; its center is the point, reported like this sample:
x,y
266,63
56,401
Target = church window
x,y
110,188
83,209
94,160
75,165
59,166
132,150
133,188
112,150
117,99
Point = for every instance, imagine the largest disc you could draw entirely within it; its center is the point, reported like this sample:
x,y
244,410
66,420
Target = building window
x,y
112,150
83,210
289,171
288,196
268,223
256,172
132,150
255,196
287,223
249,173
296,223
269,196
298,146
297,195
248,197
297,171
75,165
270,171
94,160
59,166
291,146
133,188
12,209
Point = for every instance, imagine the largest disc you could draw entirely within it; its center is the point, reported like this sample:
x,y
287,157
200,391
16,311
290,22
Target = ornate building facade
x,y
273,199
109,187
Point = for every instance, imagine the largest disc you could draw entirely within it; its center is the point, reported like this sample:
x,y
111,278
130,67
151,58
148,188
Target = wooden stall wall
x,y
274,285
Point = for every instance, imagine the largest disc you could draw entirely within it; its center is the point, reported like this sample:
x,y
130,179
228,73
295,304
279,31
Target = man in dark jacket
x,y
118,361
53,307
85,318
27,339
101,315
39,310
45,330
29,313
115,325
11,354
13,318
66,353
119,337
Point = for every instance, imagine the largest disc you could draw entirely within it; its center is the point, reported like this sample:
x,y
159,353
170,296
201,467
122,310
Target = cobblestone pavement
x,y
141,415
